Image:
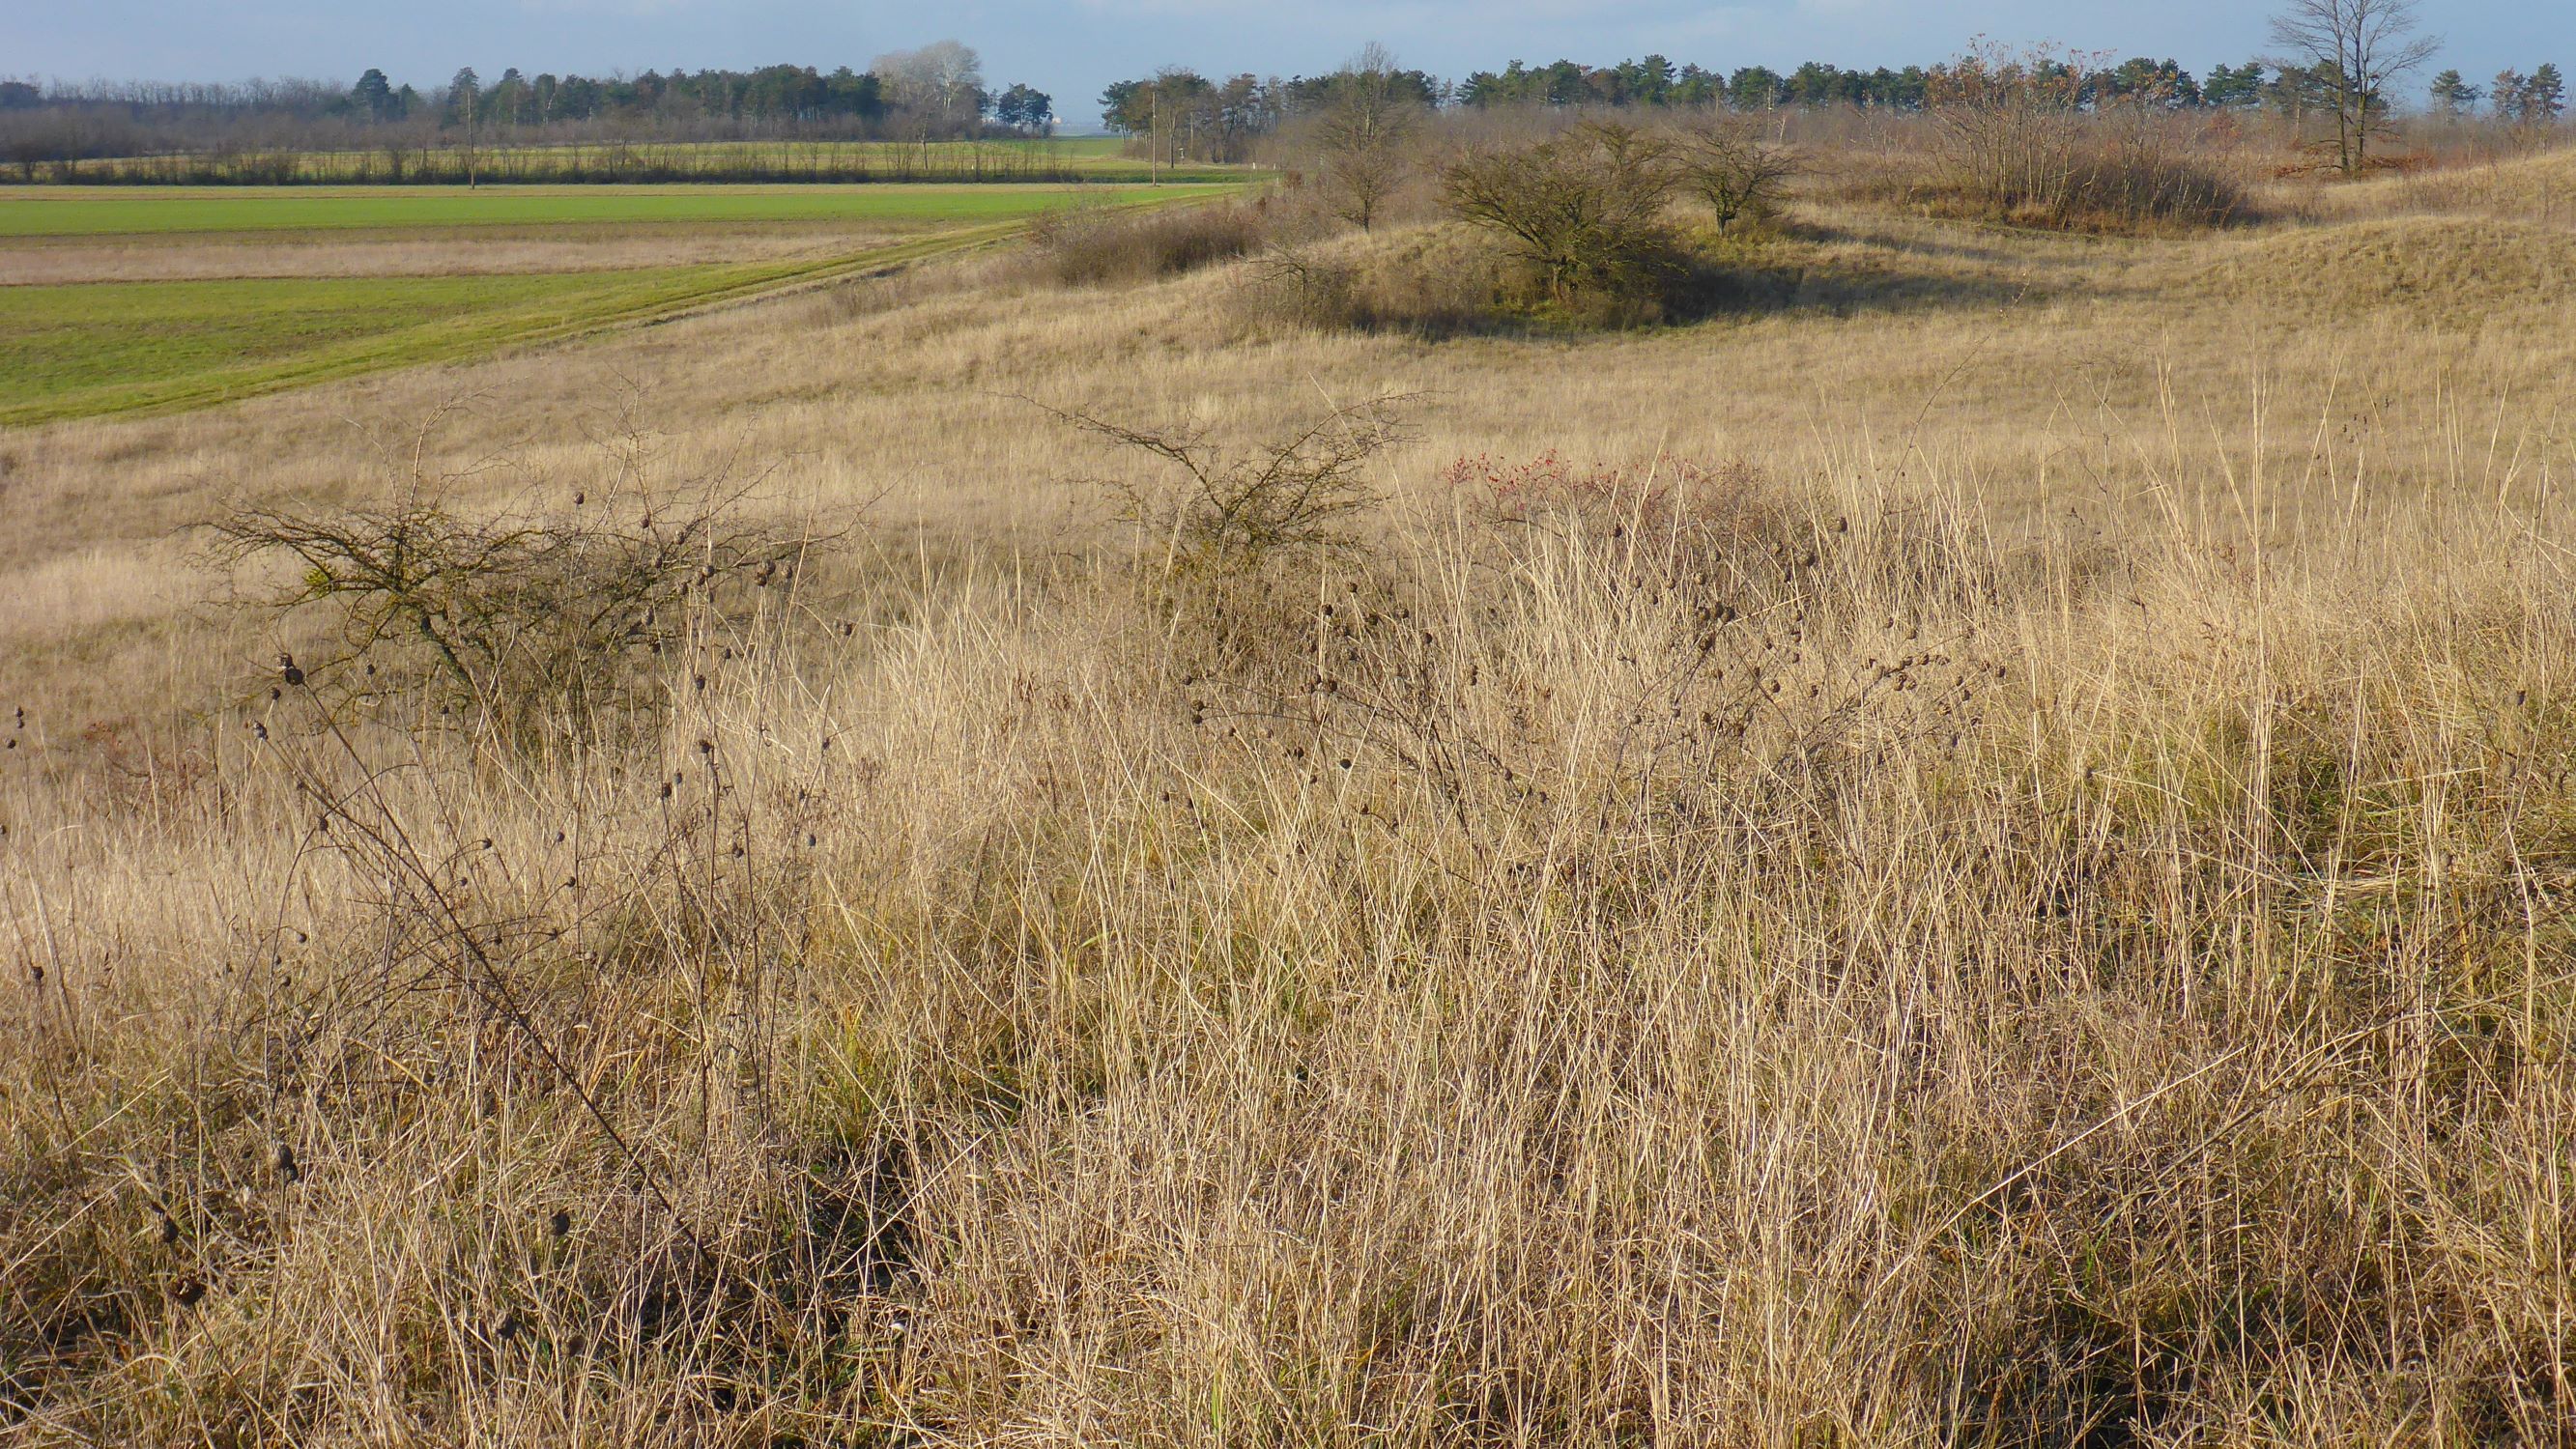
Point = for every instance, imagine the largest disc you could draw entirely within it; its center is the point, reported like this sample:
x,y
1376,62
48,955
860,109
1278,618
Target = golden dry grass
x,y
2535,182
2026,902
2422,271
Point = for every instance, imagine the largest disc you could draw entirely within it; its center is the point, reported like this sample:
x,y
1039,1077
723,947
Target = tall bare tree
x,y
2356,50
1361,141
943,76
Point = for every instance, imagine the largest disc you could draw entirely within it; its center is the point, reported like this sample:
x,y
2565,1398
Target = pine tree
x,y
2544,96
2507,94
373,94
462,93
2453,94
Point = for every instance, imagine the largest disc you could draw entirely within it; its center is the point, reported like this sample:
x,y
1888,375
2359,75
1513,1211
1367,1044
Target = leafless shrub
x,y
1094,248
2020,146
1583,210
1299,284
1226,512
2010,124
1727,164
2140,179
1431,285
554,613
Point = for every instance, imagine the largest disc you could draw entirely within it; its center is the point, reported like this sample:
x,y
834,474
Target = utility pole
x,y
473,178
1154,139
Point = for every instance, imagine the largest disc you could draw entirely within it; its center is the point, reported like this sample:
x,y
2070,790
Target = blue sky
x,y
1071,48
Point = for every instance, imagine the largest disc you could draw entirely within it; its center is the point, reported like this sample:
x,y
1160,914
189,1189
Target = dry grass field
x,y
1974,849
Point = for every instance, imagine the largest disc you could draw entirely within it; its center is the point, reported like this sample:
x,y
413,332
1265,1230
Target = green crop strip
x,y
95,349
72,212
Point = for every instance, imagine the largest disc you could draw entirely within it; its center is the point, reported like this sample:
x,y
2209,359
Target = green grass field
x,y
95,348
58,341
78,212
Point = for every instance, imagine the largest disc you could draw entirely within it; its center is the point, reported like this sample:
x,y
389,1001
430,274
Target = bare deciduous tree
x,y
1726,162
2355,50
940,76
1362,141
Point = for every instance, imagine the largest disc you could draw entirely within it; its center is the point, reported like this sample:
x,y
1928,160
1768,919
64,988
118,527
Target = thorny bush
x,y
555,615
1218,511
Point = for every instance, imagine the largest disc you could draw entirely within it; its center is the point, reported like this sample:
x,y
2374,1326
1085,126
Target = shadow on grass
x,y
1819,270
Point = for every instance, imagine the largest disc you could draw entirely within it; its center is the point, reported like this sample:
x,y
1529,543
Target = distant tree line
x,y
1217,120
937,92
2540,97
772,95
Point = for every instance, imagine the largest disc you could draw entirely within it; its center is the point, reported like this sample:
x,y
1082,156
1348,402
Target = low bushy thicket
x,y
2015,142
1097,247
1428,282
